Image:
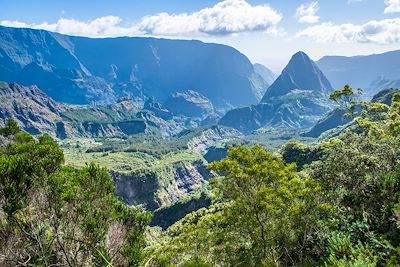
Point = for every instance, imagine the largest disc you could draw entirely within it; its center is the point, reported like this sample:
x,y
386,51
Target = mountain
x,y
301,73
37,113
82,70
385,96
158,109
361,71
297,99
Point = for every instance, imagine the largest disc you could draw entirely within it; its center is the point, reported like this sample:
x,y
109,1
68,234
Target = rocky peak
x,y
300,73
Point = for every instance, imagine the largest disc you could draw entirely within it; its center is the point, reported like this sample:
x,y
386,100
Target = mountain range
x,y
81,70
372,73
77,86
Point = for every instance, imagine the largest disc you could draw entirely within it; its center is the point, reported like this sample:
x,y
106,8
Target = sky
x,y
266,31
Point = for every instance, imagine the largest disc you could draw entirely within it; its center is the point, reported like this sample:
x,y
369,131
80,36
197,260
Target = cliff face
x,y
161,187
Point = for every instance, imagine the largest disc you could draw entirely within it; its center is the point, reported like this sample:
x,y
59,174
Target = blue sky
x,y
267,31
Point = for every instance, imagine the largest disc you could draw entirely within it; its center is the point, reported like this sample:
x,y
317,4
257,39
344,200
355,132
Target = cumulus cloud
x,y
226,17
393,6
306,13
382,32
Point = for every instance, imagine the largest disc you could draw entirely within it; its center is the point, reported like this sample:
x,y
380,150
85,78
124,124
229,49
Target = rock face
x,y
82,70
30,107
362,71
154,189
297,99
189,104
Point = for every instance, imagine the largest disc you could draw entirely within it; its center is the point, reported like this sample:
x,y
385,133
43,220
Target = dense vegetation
x,y
340,209
51,215
336,203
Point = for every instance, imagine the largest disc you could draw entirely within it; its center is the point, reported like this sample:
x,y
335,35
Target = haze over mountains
x,y
81,70
297,99
147,84
371,73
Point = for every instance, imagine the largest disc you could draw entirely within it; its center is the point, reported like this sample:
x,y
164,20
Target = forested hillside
x,y
334,203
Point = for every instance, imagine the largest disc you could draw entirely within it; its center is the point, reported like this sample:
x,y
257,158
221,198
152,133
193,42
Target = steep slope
x,y
301,73
30,107
385,96
361,71
332,120
297,99
82,70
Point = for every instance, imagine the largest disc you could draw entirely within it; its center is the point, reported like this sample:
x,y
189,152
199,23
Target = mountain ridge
x,y
362,71
82,70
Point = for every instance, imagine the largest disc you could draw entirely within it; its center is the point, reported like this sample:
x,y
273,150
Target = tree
x,y
267,216
359,173
11,128
296,152
347,99
56,215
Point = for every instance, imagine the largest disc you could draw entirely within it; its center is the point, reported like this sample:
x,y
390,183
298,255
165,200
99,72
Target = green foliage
x,y
11,128
342,209
343,253
268,215
56,215
296,152
347,99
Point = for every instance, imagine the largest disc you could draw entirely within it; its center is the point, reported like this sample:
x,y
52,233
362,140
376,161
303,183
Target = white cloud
x,y
393,6
307,13
100,27
226,17
381,32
